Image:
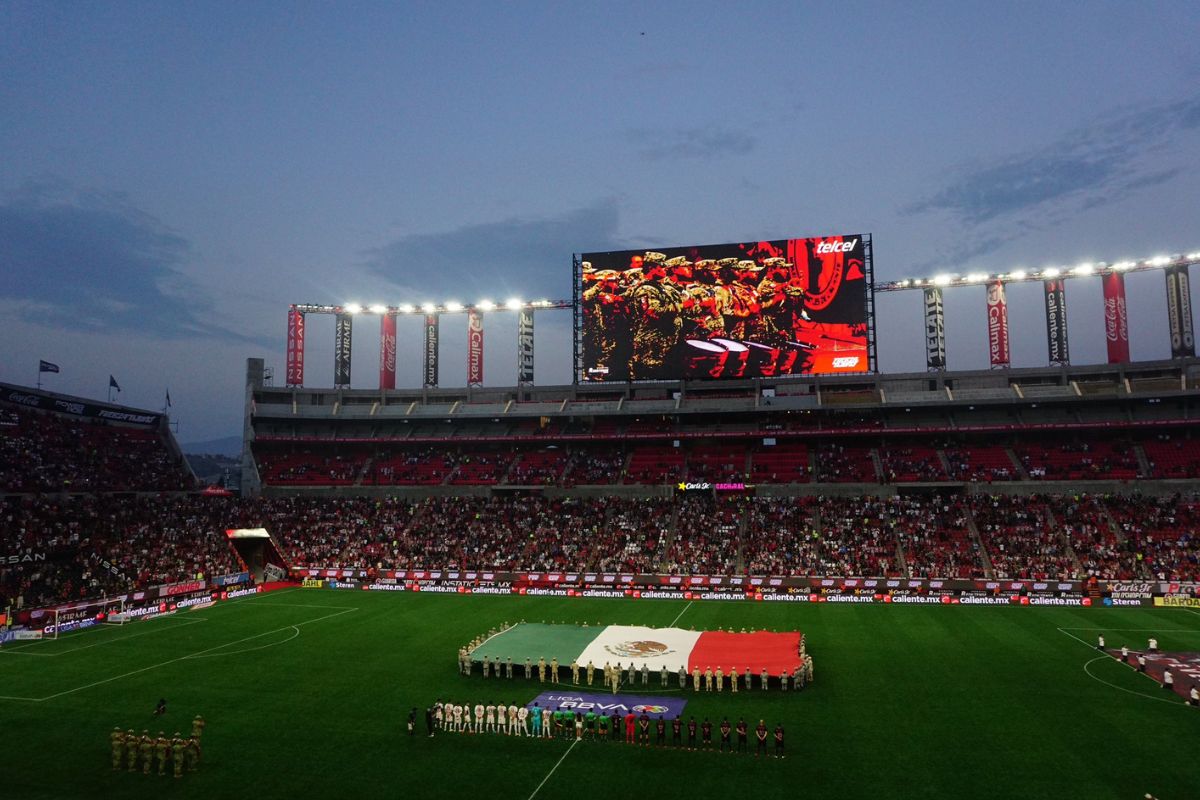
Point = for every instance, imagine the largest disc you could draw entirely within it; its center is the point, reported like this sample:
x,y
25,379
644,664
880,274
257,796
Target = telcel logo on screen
x,y
837,247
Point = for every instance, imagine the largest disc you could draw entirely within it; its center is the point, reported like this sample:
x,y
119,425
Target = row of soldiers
x,y
629,674
132,750
642,315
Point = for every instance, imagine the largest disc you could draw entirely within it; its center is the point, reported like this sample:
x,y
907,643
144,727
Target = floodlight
x,y
378,309
1121,266
942,280
406,308
1051,272
1083,269
352,308
1017,275
454,305
428,308
485,305
513,303
977,277
1159,261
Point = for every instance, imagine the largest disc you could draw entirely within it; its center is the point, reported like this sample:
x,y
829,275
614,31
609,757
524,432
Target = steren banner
x,y
748,310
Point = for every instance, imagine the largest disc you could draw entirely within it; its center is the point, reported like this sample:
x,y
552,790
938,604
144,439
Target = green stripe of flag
x,y
534,640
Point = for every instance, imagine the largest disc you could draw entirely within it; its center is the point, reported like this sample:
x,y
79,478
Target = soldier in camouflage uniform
x,y
131,750
608,325
162,748
178,746
741,307
782,301
117,739
655,304
146,749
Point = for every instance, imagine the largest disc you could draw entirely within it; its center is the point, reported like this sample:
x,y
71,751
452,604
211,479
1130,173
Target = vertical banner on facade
x,y
935,329
295,348
1056,321
997,322
387,351
342,328
474,348
525,346
1116,319
431,351
1179,311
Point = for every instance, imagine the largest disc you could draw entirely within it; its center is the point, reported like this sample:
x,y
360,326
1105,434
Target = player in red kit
x,y
630,725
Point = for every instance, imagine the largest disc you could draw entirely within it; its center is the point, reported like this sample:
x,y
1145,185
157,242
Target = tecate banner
x,y
342,330
935,329
525,346
997,323
1116,320
736,310
668,707
387,351
295,348
431,351
474,348
1056,321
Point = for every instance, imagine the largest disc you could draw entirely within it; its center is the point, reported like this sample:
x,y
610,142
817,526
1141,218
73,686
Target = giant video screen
x,y
738,310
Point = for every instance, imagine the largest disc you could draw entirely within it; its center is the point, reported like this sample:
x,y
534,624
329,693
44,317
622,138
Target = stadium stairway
x,y
988,570
945,462
1142,460
878,462
365,471
743,521
1053,524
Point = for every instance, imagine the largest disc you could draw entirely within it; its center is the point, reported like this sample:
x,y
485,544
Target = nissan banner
x,y
342,329
431,351
387,351
295,348
997,323
1116,319
1179,311
525,346
935,329
1056,321
474,348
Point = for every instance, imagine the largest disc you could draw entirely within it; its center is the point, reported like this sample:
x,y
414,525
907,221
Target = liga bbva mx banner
x,y
1056,321
1116,317
431,351
935,329
525,346
997,322
387,351
474,348
343,325
1179,311
295,348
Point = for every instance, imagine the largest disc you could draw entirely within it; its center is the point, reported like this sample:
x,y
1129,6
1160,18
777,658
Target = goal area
x,y
64,619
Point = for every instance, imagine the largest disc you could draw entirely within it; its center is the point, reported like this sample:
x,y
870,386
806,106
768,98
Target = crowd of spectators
x,y
706,535
45,452
933,533
1020,540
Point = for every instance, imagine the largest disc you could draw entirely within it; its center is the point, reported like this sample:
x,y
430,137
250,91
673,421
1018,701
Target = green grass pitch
x,y
306,692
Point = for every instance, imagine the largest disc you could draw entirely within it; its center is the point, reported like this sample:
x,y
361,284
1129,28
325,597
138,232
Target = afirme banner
x,y
1116,318
1056,321
295,348
343,329
431,351
1179,311
387,351
29,398
935,329
997,325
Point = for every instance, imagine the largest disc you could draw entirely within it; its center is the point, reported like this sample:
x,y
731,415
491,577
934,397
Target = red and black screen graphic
x,y
738,310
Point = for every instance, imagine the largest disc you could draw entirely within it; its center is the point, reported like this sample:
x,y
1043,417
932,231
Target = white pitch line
x,y
295,605
1119,661
190,655
556,766
681,613
252,649
158,629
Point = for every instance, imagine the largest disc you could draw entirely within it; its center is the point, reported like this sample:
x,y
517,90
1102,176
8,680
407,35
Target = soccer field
x,y
306,692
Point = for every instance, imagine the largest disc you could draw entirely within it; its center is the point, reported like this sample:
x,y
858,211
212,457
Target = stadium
x,y
997,571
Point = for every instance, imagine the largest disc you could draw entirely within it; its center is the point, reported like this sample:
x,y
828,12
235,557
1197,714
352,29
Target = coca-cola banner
x,y
1056,321
935,329
525,346
1179,311
1116,320
431,351
997,322
387,351
295,348
342,330
474,348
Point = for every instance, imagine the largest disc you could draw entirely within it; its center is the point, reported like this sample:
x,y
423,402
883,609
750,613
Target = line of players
x,y
1168,679
542,723
132,750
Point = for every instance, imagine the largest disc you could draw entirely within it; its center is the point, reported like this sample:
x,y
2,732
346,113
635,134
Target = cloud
x,y
95,260
517,256
1085,168
703,143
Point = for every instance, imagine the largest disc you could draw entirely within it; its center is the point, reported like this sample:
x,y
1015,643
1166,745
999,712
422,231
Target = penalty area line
x,y
552,769
190,655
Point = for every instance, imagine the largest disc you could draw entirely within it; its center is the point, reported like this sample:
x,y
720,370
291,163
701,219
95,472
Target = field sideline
x,y
306,691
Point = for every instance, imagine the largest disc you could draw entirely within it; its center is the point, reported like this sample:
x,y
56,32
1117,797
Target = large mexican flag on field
x,y
653,647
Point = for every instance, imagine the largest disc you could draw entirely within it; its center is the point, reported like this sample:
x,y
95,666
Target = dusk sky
x,y
174,175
